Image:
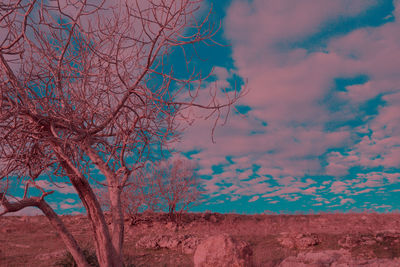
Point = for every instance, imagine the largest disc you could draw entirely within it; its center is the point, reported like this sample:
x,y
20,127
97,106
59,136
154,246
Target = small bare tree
x,y
141,194
89,85
178,185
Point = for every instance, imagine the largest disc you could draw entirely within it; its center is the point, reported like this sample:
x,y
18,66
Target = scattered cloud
x,y
62,188
323,103
255,198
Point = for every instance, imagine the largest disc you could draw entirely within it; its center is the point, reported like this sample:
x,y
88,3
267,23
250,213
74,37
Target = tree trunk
x,y
171,211
66,236
117,226
114,191
105,251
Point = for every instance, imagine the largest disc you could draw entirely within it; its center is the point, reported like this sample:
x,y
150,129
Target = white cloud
x,y
255,198
62,188
346,200
288,87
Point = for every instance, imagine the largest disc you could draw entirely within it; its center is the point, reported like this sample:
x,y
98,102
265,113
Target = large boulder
x,y
222,251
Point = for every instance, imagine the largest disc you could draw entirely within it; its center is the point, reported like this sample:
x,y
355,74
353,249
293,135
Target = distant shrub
x,y
68,261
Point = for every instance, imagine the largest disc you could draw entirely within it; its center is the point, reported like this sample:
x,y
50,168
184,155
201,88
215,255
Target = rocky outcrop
x,y
189,244
185,243
148,241
52,255
386,238
334,258
300,241
223,251
317,259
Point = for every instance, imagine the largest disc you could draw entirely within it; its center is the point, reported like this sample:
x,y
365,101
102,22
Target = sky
x,y
319,129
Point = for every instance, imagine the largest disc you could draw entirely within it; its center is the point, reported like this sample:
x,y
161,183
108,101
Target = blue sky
x,y
321,125
319,129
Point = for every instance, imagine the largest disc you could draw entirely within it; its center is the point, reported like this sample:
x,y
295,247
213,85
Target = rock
x,y
148,242
334,258
307,240
356,240
301,241
286,242
52,255
348,242
189,244
222,251
171,226
168,242
320,259
380,263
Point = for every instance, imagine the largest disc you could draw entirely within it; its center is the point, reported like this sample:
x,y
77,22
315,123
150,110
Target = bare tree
x,y
178,185
143,193
89,85
140,194
171,185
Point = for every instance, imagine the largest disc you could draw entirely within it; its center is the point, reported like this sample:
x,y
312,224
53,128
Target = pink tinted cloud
x,y
346,200
381,148
61,188
29,211
287,89
66,206
262,22
339,187
363,191
255,198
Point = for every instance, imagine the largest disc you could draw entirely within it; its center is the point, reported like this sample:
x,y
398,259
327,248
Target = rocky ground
x,y
211,239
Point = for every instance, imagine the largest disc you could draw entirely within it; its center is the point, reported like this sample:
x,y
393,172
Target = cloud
x,y
315,109
70,200
66,206
255,198
29,211
62,188
346,200
363,191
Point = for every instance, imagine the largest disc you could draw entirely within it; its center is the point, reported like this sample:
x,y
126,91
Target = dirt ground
x,y
31,241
